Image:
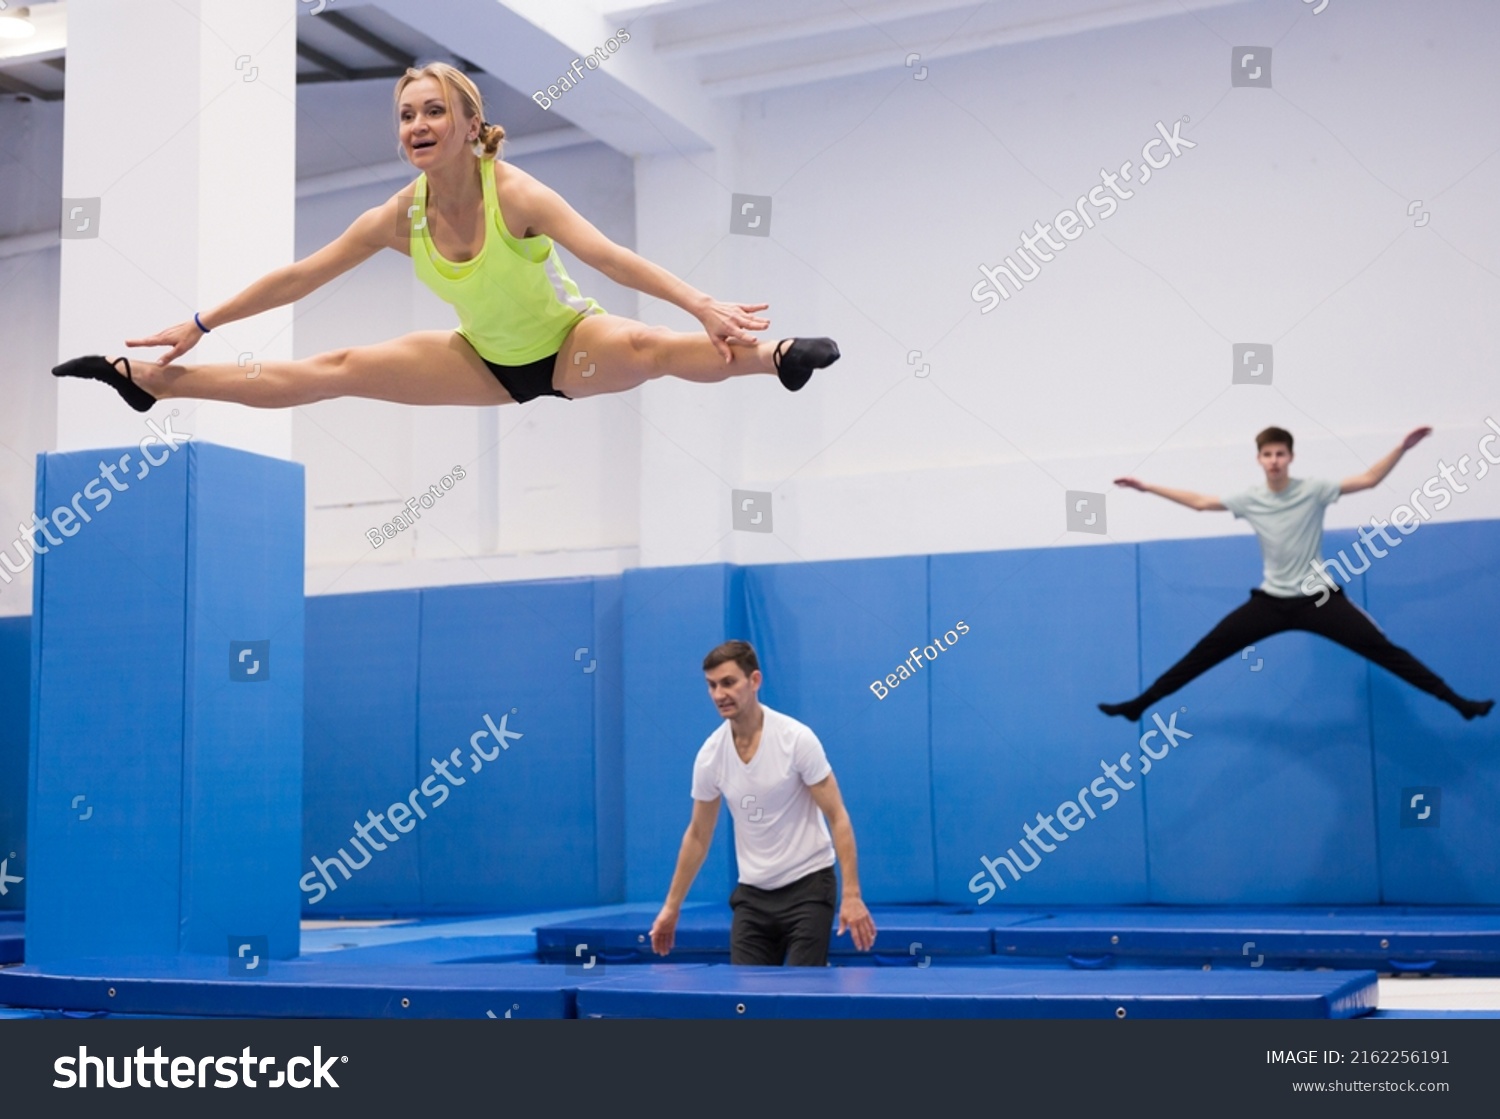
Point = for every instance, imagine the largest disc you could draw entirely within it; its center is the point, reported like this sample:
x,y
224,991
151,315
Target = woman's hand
x,y
182,338
728,322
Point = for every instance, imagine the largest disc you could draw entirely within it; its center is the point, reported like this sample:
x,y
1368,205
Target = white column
x,y
179,151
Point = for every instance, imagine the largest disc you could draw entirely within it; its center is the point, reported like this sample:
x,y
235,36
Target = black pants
x,y
1337,619
791,925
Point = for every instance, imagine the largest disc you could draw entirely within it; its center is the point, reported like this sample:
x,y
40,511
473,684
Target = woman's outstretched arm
x,y
549,213
372,231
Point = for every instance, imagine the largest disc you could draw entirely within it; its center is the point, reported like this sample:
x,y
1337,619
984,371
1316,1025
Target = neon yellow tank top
x,y
515,301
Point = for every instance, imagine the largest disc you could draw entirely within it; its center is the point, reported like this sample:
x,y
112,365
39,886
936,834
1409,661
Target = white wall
x,y
31,186
1286,224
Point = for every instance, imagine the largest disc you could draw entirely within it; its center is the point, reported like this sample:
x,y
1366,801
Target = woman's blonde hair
x,y
461,95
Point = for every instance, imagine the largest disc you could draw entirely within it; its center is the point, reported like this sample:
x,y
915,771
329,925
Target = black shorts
x,y
791,925
529,381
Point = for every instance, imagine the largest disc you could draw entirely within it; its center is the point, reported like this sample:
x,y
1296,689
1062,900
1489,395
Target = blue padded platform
x,y
1387,938
12,937
300,988
907,935
960,992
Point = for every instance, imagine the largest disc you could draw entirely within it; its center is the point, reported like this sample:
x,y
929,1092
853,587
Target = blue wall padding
x,y
1015,731
824,632
672,617
1436,595
520,833
15,718
609,736
361,751
188,828
1272,800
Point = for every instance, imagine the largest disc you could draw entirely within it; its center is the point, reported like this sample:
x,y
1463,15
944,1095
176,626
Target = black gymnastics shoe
x,y
1124,710
96,368
1475,708
802,357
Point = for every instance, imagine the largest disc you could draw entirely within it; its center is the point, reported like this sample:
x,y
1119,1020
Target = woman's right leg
x,y
429,367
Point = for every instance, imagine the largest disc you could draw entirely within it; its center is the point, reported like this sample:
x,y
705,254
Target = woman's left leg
x,y
608,353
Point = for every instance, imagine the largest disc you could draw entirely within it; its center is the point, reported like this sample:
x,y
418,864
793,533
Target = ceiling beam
x,y
816,65
369,38
823,23
9,83
326,62
629,100
628,13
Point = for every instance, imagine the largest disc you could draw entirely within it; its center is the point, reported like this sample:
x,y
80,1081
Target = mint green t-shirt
x,y
1290,527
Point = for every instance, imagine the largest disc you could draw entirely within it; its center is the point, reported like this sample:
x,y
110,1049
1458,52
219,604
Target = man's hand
x,y
1131,483
856,918
664,931
1415,437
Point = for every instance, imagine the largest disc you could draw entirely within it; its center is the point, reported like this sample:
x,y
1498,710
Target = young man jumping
x,y
780,787
1287,515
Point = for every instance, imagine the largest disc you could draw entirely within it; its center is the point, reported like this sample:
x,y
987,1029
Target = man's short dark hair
x,y
738,651
1274,435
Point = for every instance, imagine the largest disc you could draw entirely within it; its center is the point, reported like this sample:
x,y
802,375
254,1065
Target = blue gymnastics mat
x,y
962,992
1386,938
308,987
907,935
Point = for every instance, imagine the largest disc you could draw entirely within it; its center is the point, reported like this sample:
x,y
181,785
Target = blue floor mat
x,y
960,992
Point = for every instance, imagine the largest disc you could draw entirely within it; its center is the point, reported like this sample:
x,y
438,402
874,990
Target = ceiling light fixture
x,y
16,24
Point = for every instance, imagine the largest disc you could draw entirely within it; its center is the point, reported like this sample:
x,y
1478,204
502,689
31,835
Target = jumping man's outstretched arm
x,y
695,841
1376,474
1201,502
548,212
852,912
372,231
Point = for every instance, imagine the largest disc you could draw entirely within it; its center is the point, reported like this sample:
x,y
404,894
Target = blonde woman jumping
x,y
481,234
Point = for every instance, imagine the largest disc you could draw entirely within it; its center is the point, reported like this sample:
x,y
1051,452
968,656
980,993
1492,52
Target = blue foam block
x,y
1015,732
15,719
166,777
824,633
1436,595
1272,801
963,992
521,830
361,751
671,618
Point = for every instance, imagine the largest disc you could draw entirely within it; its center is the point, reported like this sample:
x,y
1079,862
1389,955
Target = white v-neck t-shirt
x,y
779,832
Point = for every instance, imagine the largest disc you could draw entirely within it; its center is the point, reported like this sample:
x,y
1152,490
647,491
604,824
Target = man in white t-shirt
x,y
772,771
1297,593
